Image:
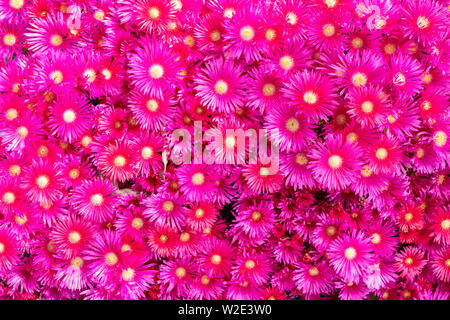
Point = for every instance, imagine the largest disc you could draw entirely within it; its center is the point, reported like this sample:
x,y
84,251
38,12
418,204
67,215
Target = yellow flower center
x,y
247,33
137,223
301,159
291,18
90,74
74,173
335,161
331,231
156,71
445,224
440,138
168,205
180,272
16,4
399,79
22,131
230,142
422,22
111,259
21,220
350,253
146,153
221,87
256,216
310,97
381,153
286,62
189,41
216,259
77,262
367,107
199,213
264,172
341,119
9,39
42,181
198,178
99,15
107,74
120,161
313,271
229,12
270,34
11,114
215,35
74,237
8,197
128,274
328,30
56,40
154,13
249,264
359,79
292,124
366,172
205,280
376,238
420,153
2,248
268,89
15,170
69,116
389,48
357,43
409,261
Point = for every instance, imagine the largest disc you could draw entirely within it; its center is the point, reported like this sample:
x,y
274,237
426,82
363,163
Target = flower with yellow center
x,y
216,259
90,75
359,79
57,76
335,161
215,35
204,280
77,262
2,247
168,205
301,159
56,40
199,213
137,223
9,197
11,114
426,78
111,259
268,89
313,271
389,48
15,170
440,138
22,131
420,153
422,22
409,261
156,71
86,140
229,12
152,105
230,142
16,4
247,33
69,116
367,107
292,124
264,172
221,87
99,15
270,34
357,43
128,274
74,237
331,231
331,3
9,39
426,105
250,264
350,253
21,220
376,238
189,41
291,18
42,181
120,161
107,74
256,216
310,97
366,172
146,153
154,13
180,272
381,153
399,79
74,173
328,30
445,224
409,216
97,199
198,178
286,62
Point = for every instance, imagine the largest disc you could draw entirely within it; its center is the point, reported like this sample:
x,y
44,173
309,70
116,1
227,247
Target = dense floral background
x,y
92,206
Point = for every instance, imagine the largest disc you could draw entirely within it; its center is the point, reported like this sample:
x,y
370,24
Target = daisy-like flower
x,y
209,32
252,267
440,224
290,58
294,167
326,231
131,222
385,155
149,148
70,116
162,241
262,178
383,238
220,85
116,160
154,66
11,196
50,35
294,17
315,278
150,112
217,258
350,255
255,222
293,128
22,132
197,181
134,278
381,274
74,171
201,215
432,104
73,273
264,89
410,262
165,210
11,36
9,250
335,163
405,75
424,20
104,256
244,34
150,15
352,291
440,264
411,217
368,105
312,93
95,200
177,275
43,181
204,287
324,31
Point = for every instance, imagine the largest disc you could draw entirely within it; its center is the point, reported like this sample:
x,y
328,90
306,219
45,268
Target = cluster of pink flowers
x,y
93,207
